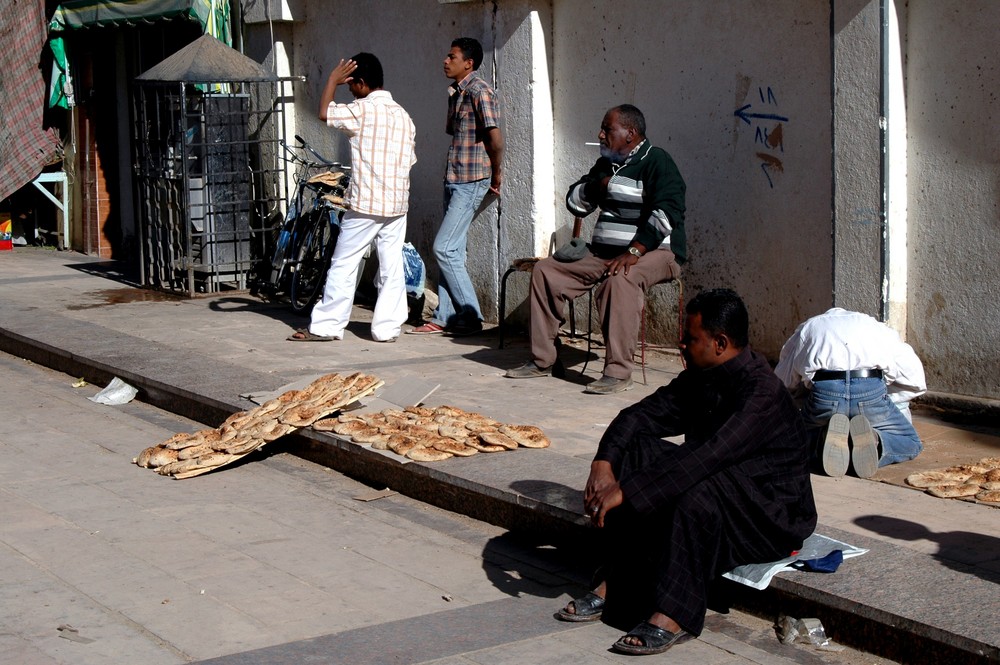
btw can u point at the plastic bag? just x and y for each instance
(413, 270)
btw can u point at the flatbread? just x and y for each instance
(989, 496)
(453, 432)
(926, 479)
(275, 431)
(402, 444)
(992, 476)
(953, 491)
(991, 485)
(237, 419)
(343, 428)
(498, 439)
(194, 451)
(369, 435)
(483, 447)
(449, 445)
(451, 411)
(420, 411)
(969, 468)
(143, 458)
(160, 457)
(528, 436)
(178, 442)
(422, 454)
(243, 446)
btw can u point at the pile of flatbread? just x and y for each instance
(186, 455)
(980, 480)
(432, 434)
(328, 178)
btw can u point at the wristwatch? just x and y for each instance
(634, 251)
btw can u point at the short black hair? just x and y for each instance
(722, 311)
(471, 50)
(631, 117)
(369, 70)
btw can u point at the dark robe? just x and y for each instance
(737, 490)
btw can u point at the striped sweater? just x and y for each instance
(644, 203)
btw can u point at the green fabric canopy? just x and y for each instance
(213, 15)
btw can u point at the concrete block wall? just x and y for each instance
(771, 109)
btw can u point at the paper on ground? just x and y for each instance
(117, 392)
(816, 546)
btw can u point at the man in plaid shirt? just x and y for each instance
(473, 170)
(737, 491)
(382, 152)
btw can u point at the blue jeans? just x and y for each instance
(457, 300)
(899, 441)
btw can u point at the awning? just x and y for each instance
(212, 14)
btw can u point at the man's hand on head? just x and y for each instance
(341, 74)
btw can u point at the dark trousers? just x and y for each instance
(666, 561)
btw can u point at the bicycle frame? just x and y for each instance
(307, 198)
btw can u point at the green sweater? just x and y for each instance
(644, 203)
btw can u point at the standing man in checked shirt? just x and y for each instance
(382, 153)
(674, 517)
(474, 168)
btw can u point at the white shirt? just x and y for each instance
(840, 340)
(382, 152)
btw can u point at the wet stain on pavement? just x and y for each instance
(124, 296)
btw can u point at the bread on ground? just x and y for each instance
(422, 454)
(528, 436)
(953, 491)
(989, 496)
(926, 479)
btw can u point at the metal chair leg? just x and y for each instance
(501, 327)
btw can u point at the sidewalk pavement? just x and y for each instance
(925, 591)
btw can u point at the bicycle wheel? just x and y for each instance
(313, 260)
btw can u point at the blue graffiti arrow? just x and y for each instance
(743, 115)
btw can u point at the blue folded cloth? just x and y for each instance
(827, 564)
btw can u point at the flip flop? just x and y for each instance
(303, 335)
(587, 608)
(654, 640)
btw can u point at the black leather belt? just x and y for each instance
(831, 375)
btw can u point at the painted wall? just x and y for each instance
(775, 127)
(411, 39)
(953, 79)
(857, 157)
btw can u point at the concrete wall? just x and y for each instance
(785, 202)
(857, 155)
(759, 191)
(411, 39)
(953, 79)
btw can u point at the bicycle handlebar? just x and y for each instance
(298, 159)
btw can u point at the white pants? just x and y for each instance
(357, 230)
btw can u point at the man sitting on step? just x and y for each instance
(638, 241)
(860, 377)
(671, 518)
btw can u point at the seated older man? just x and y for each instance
(638, 241)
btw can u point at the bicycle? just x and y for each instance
(305, 241)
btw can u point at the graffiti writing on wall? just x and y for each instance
(768, 132)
